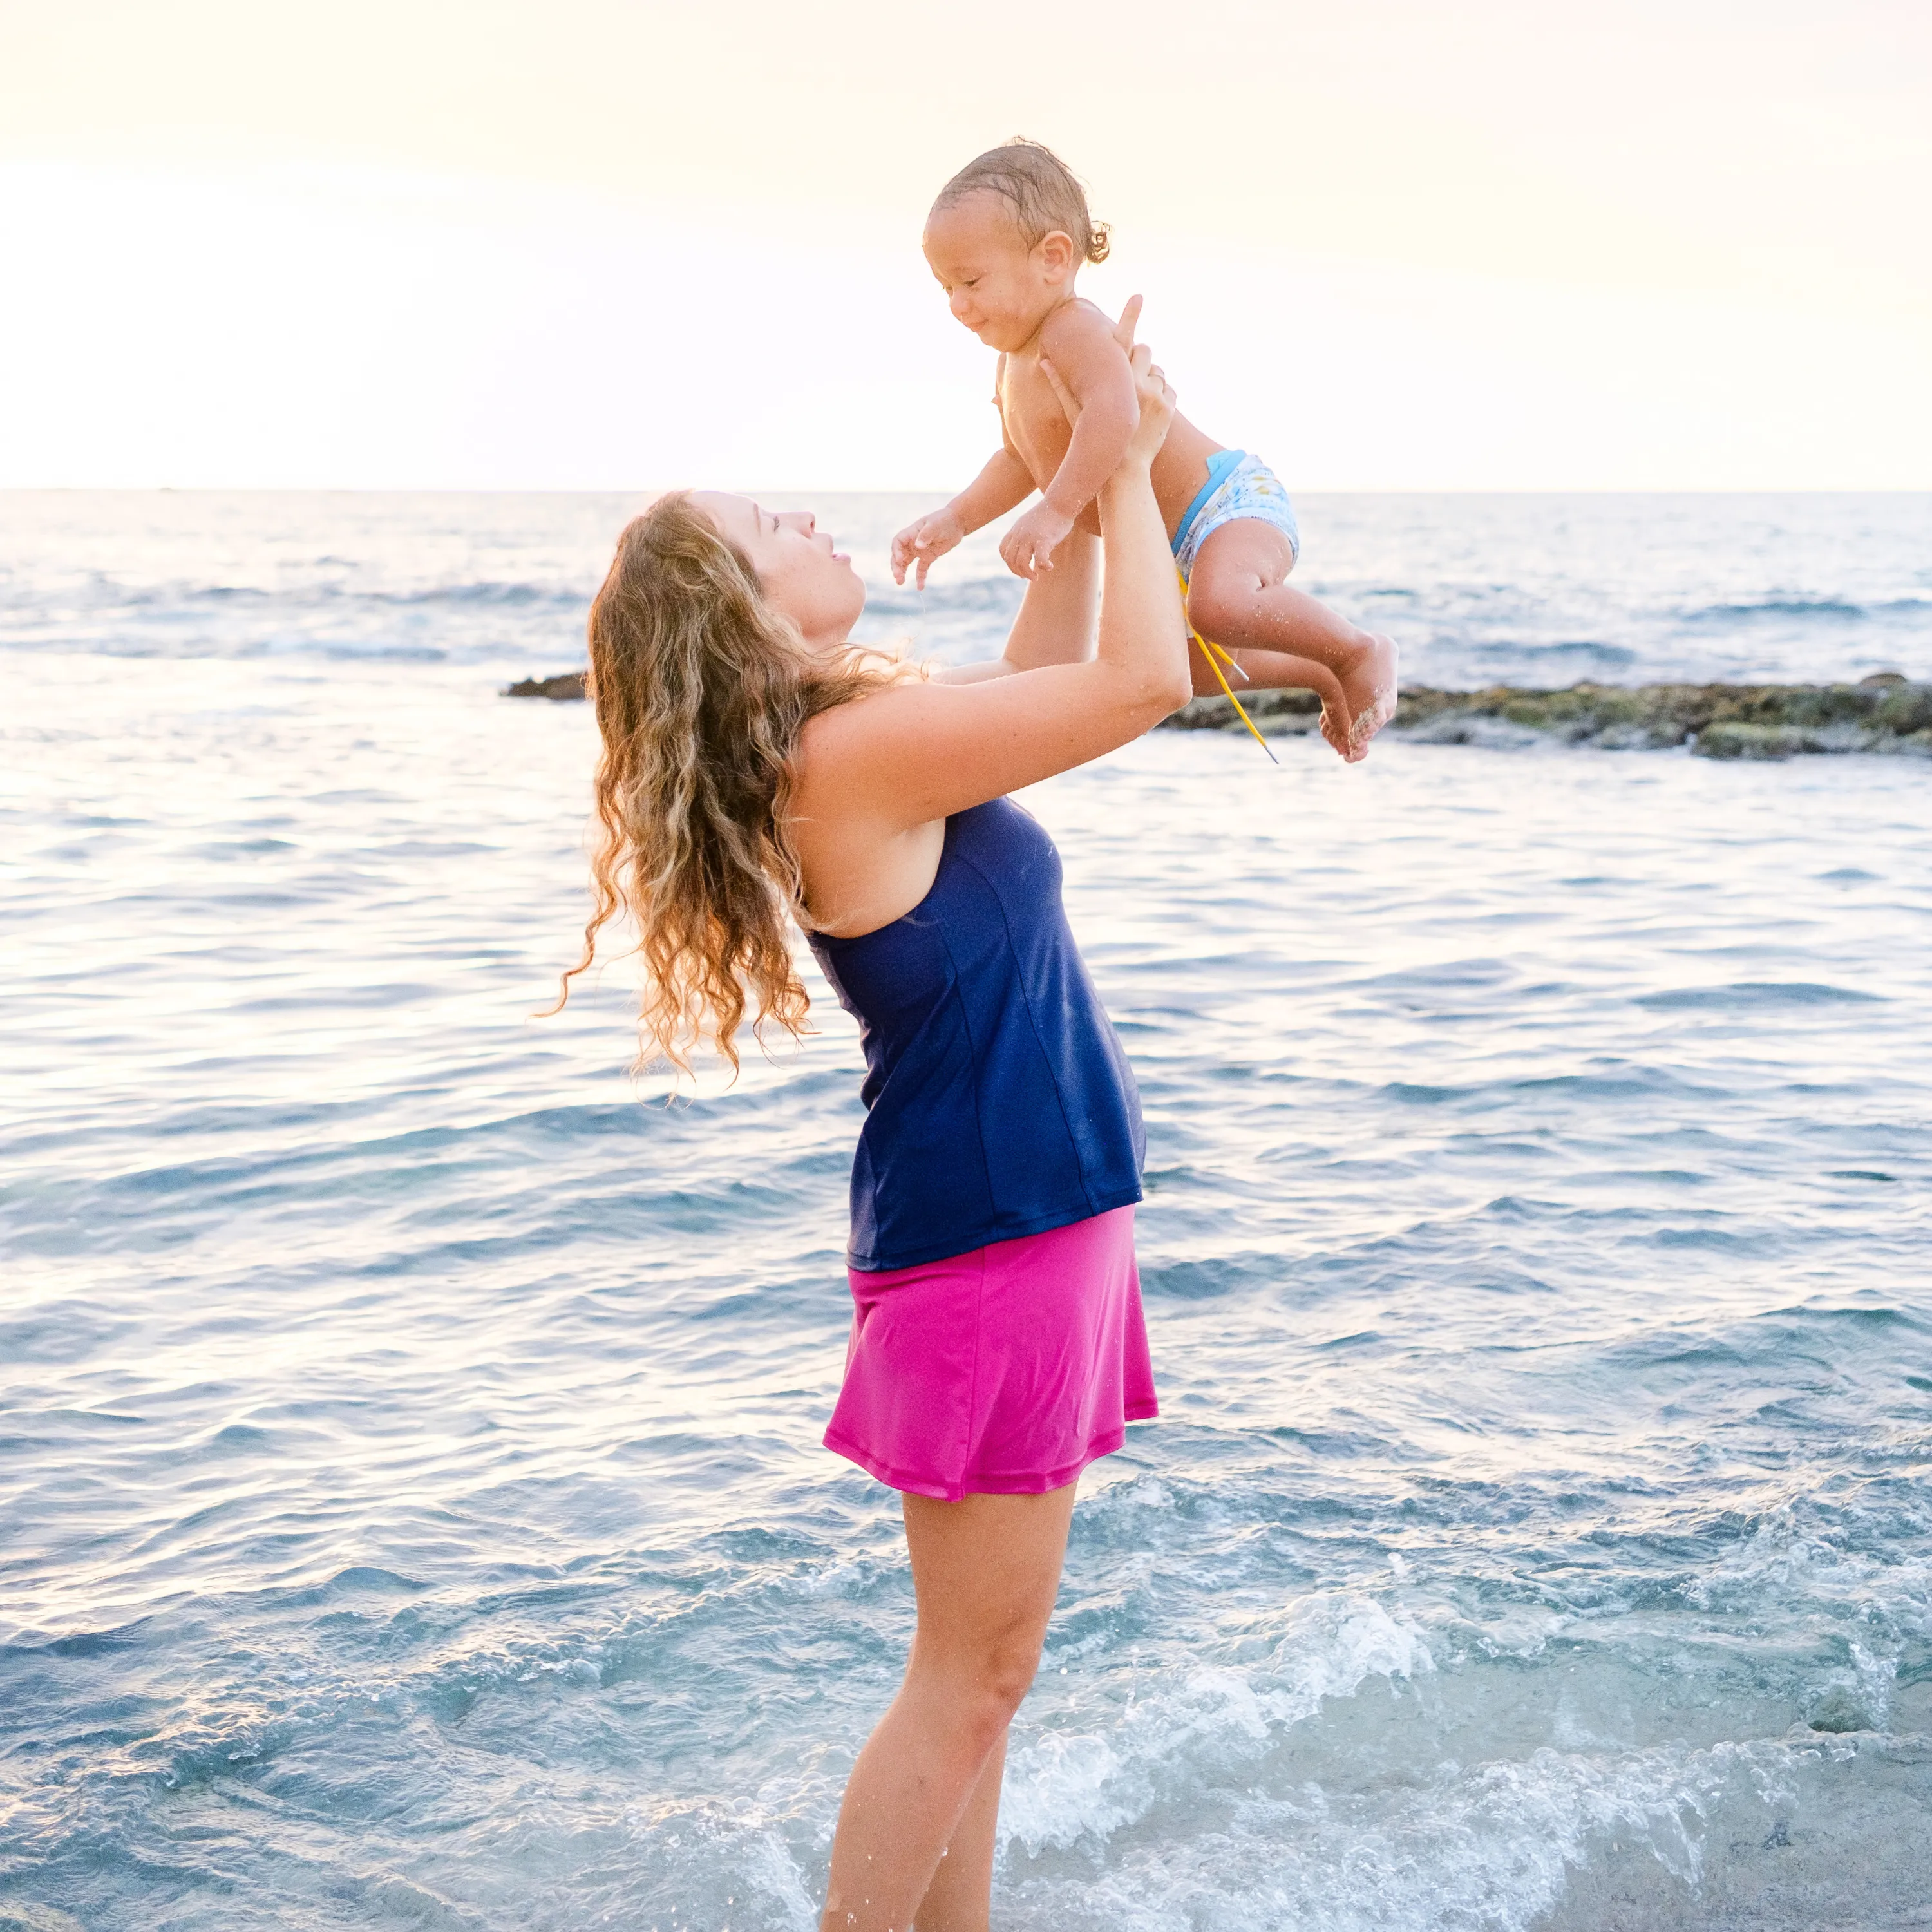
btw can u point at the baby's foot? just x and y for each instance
(1369, 687)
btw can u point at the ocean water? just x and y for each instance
(412, 1512)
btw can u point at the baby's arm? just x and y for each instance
(1004, 481)
(1083, 351)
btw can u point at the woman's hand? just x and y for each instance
(1157, 399)
(1156, 402)
(1124, 334)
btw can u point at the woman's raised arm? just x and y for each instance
(910, 754)
(1055, 624)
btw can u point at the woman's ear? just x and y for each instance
(1056, 255)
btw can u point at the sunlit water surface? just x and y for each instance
(411, 1507)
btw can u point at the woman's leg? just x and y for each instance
(1239, 595)
(961, 1895)
(986, 1570)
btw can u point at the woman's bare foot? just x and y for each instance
(1334, 727)
(1370, 688)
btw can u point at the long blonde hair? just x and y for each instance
(701, 689)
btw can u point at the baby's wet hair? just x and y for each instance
(1040, 190)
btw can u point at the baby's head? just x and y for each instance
(1006, 237)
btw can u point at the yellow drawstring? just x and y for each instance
(1211, 652)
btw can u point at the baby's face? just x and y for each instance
(1001, 289)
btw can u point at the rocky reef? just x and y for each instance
(1885, 712)
(566, 684)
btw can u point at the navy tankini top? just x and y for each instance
(999, 1100)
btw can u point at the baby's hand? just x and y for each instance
(1028, 547)
(922, 542)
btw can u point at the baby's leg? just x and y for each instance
(1276, 671)
(1240, 596)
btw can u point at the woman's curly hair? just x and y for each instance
(1042, 193)
(701, 689)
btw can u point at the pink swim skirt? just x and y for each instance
(1003, 1372)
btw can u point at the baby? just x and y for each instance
(1006, 239)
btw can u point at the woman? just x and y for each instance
(755, 763)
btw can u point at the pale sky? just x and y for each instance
(578, 244)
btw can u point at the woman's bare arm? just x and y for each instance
(1083, 348)
(912, 753)
(1055, 624)
(1086, 352)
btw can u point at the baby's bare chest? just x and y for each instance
(1036, 424)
